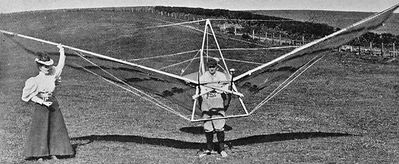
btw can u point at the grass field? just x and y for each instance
(343, 110)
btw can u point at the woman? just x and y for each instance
(48, 136)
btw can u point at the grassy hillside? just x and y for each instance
(338, 19)
(343, 110)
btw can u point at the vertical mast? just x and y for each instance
(220, 51)
(202, 64)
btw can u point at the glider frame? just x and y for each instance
(357, 29)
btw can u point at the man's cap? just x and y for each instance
(212, 62)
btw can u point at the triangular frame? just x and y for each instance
(201, 70)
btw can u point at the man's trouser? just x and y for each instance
(216, 126)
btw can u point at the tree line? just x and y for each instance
(289, 26)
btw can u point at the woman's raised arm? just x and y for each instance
(61, 61)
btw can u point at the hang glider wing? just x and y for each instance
(168, 90)
(176, 90)
(263, 80)
(157, 85)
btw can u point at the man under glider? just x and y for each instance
(213, 105)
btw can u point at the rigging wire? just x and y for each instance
(182, 62)
(202, 20)
(223, 49)
(201, 31)
(195, 57)
(138, 92)
(288, 81)
(243, 61)
(256, 20)
(192, 59)
(174, 24)
(253, 49)
(162, 56)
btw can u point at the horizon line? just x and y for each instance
(53, 9)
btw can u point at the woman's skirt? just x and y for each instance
(48, 134)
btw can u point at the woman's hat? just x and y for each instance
(47, 62)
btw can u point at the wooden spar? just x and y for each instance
(217, 44)
(197, 91)
(202, 65)
(220, 89)
(28, 37)
(226, 117)
(198, 95)
(103, 57)
(306, 46)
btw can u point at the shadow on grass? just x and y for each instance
(200, 129)
(195, 145)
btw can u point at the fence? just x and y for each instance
(383, 50)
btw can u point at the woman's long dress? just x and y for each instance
(48, 134)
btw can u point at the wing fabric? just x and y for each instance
(261, 81)
(177, 92)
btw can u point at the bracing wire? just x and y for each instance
(223, 49)
(288, 81)
(210, 49)
(137, 92)
(199, 30)
(202, 20)
(254, 49)
(182, 62)
(243, 61)
(255, 20)
(188, 65)
(195, 57)
(174, 24)
(162, 56)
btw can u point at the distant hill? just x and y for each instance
(338, 19)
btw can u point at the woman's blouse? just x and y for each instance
(41, 84)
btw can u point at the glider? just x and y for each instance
(181, 88)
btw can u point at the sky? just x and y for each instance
(7, 6)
